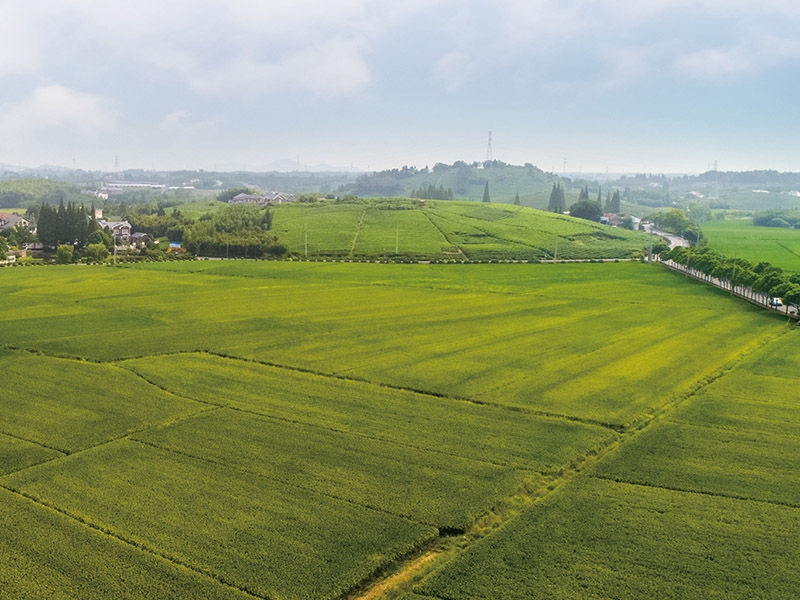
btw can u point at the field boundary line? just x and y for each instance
(132, 543)
(214, 407)
(704, 381)
(358, 230)
(789, 250)
(296, 486)
(519, 409)
(35, 442)
(444, 235)
(698, 492)
(728, 428)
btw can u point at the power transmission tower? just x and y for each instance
(489, 156)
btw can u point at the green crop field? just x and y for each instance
(281, 430)
(598, 539)
(702, 503)
(775, 245)
(441, 230)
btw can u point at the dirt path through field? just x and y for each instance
(406, 574)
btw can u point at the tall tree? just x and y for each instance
(615, 208)
(516, 199)
(557, 202)
(486, 193)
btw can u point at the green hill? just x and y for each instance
(428, 229)
(23, 193)
(467, 182)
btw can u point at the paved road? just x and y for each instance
(674, 240)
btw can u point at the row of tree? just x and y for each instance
(433, 192)
(751, 279)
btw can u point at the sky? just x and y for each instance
(661, 86)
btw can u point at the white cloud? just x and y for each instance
(183, 122)
(20, 51)
(744, 58)
(333, 68)
(56, 108)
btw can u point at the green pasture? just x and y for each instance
(740, 238)
(290, 430)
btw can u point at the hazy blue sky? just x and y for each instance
(623, 85)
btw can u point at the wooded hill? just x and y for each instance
(466, 181)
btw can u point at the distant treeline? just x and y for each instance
(778, 218)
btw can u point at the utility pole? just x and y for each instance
(650, 252)
(306, 240)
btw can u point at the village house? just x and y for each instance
(120, 230)
(266, 198)
(9, 221)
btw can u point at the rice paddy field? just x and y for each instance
(739, 237)
(241, 429)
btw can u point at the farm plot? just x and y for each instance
(738, 464)
(737, 438)
(425, 486)
(18, 454)
(259, 535)
(599, 539)
(601, 343)
(514, 232)
(49, 555)
(330, 230)
(775, 245)
(68, 405)
(454, 428)
(408, 231)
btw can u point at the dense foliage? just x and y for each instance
(778, 218)
(675, 221)
(235, 230)
(587, 209)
